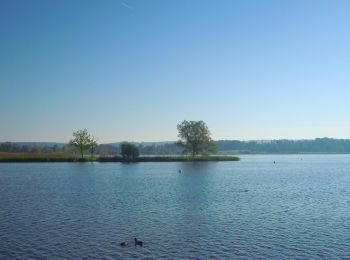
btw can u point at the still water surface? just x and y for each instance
(298, 207)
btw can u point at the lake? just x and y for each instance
(298, 207)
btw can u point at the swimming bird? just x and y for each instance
(124, 243)
(138, 242)
(180, 171)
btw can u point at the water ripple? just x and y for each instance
(243, 210)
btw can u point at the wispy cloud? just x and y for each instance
(126, 5)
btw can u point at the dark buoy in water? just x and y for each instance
(274, 162)
(180, 171)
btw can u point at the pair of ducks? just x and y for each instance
(137, 243)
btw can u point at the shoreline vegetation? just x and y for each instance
(209, 158)
(225, 147)
(66, 157)
(195, 142)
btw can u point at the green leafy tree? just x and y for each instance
(80, 141)
(92, 145)
(129, 151)
(195, 138)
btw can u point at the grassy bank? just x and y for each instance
(67, 157)
(38, 157)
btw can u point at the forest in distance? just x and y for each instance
(318, 145)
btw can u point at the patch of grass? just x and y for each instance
(38, 157)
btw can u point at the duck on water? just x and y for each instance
(124, 243)
(138, 242)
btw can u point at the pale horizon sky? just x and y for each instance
(132, 70)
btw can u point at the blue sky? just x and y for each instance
(132, 70)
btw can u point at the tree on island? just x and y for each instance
(129, 151)
(81, 141)
(195, 138)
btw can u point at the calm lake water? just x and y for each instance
(298, 207)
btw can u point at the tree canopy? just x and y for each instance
(82, 140)
(195, 138)
(129, 151)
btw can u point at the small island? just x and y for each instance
(170, 159)
(194, 140)
(57, 157)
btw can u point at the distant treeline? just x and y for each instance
(319, 145)
(10, 147)
(102, 149)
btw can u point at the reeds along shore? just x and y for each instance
(66, 157)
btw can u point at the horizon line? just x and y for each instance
(174, 141)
